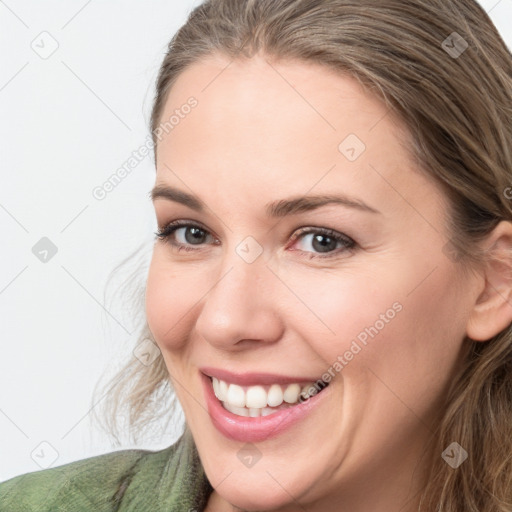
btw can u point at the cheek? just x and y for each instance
(387, 323)
(409, 352)
(343, 313)
(170, 298)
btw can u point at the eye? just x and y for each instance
(324, 241)
(192, 234)
(183, 235)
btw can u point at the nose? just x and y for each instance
(241, 308)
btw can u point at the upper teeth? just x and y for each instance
(258, 396)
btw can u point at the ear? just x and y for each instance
(492, 311)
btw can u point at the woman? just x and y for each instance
(330, 283)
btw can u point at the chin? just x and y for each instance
(257, 495)
(268, 485)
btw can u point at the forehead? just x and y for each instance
(293, 101)
(289, 125)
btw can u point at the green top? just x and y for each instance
(167, 480)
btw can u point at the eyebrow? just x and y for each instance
(279, 208)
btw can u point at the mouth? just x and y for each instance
(263, 400)
(254, 407)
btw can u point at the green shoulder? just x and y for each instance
(170, 480)
(95, 483)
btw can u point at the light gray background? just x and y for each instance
(68, 121)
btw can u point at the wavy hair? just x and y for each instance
(442, 67)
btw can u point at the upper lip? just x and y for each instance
(254, 378)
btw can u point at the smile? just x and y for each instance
(255, 401)
(255, 407)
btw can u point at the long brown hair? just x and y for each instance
(442, 67)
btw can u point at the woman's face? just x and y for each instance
(262, 297)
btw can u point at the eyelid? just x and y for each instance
(324, 231)
(169, 229)
(165, 232)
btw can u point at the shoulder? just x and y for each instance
(115, 481)
(87, 484)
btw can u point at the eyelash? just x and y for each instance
(167, 231)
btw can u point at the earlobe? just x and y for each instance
(492, 310)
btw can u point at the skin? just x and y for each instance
(264, 131)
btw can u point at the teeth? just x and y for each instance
(275, 395)
(304, 392)
(240, 411)
(291, 395)
(236, 395)
(223, 390)
(255, 401)
(215, 383)
(256, 397)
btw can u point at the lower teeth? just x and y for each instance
(255, 412)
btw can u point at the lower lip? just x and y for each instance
(246, 429)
